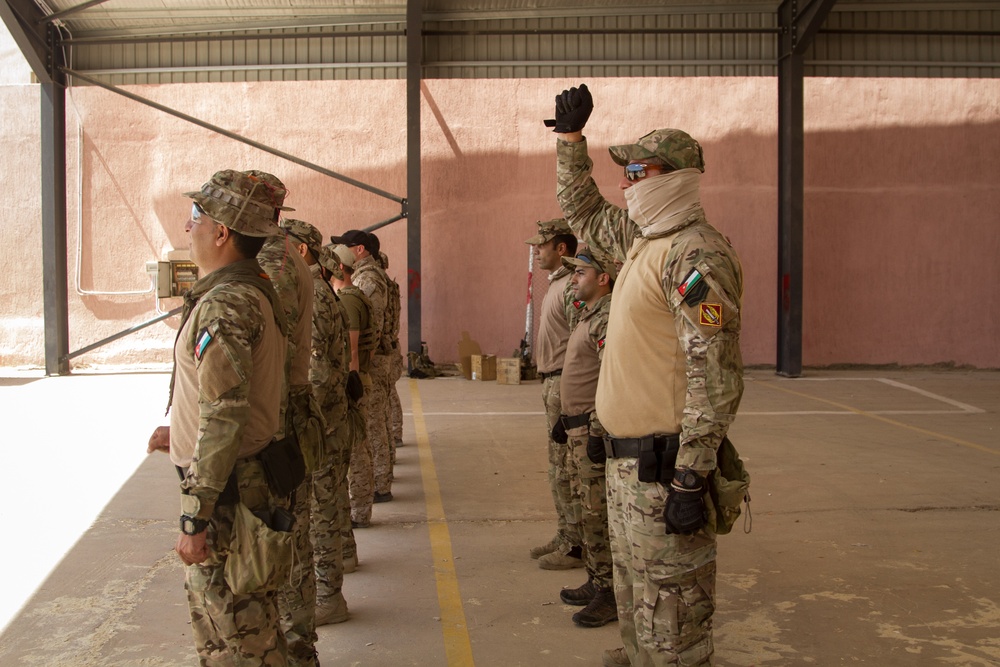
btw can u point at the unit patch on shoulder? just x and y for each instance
(710, 314)
(204, 338)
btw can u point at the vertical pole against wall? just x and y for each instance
(55, 309)
(799, 23)
(414, 65)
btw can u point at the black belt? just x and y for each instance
(576, 421)
(623, 448)
(548, 375)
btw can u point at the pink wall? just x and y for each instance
(901, 222)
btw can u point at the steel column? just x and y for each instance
(414, 63)
(55, 309)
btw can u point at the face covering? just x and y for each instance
(659, 203)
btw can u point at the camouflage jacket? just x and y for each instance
(371, 279)
(701, 285)
(393, 312)
(328, 364)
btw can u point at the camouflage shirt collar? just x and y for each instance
(590, 309)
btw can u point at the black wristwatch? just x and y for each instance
(192, 526)
(688, 480)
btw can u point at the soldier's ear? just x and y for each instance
(603, 279)
(221, 235)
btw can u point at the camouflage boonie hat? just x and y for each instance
(592, 258)
(245, 203)
(675, 147)
(548, 230)
(330, 262)
(303, 232)
(344, 255)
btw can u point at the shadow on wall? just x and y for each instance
(901, 235)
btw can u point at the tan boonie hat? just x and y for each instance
(246, 204)
(330, 262)
(675, 147)
(548, 230)
(344, 254)
(594, 259)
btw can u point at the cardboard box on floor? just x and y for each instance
(484, 367)
(466, 348)
(509, 370)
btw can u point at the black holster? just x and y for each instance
(595, 449)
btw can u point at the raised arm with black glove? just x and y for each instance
(573, 108)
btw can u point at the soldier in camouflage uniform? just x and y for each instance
(396, 357)
(292, 281)
(225, 398)
(328, 373)
(372, 280)
(556, 318)
(593, 278)
(670, 383)
(358, 308)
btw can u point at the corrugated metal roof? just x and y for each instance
(162, 41)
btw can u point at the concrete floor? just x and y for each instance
(876, 524)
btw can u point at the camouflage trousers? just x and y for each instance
(330, 512)
(396, 408)
(591, 504)
(664, 584)
(231, 629)
(361, 477)
(297, 598)
(378, 423)
(560, 478)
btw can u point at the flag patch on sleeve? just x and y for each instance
(692, 279)
(204, 338)
(710, 314)
(600, 344)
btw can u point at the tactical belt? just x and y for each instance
(548, 375)
(575, 421)
(623, 448)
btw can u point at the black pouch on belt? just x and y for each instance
(284, 467)
(657, 457)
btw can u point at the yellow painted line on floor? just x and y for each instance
(457, 646)
(934, 434)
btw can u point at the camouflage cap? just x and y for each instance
(330, 262)
(548, 230)
(344, 254)
(245, 203)
(592, 258)
(304, 233)
(675, 147)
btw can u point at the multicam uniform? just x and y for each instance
(221, 416)
(371, 279)
(328, 369)
(396, 358)
(293, 282)
(672, 365)
(558, 314)
(358, 308)
(579, 385)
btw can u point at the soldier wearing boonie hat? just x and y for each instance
(293, 281)
(328, 372)
(228, 372)
(552, 241)
(671, 378)
(594, 273)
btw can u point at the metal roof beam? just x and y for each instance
(22, 19)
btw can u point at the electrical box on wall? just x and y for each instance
(175, 275)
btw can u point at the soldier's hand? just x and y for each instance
(558, 433)
(573, 108)
(159, 441)
(193, 548)
(685, 509)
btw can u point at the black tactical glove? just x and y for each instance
(355, 388)
(573, 108)
(595, 449)
(685, 509)
(559, 433)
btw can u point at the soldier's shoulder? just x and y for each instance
(237, 303)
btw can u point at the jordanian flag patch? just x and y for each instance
(692, 279)
(204, 338)
(600, 344)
